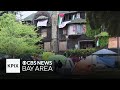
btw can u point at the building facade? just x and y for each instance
(71, 30)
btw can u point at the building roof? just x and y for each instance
(67, 12)
(41, 17)
(29, 18)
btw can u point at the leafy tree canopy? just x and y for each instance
(111, 20)
(15, 38)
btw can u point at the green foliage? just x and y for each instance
(91, 33)
(15, 38)
(103, 41)
(80, 52)
(57, 58)
(111, 20)
(102, 34)
(46, 55)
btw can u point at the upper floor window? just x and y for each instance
(72, 16)
(76, 29)
(66, 17)
(82, 15)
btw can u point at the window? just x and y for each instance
(66, 17)
(82, 15)
(78, 15)
(76, 29)
(70, 16)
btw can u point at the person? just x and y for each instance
(60, 64)
(84, 57)
(76, 46)
(55, 66)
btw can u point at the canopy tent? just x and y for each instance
(104, 52)
(108, 61)
(105, 59)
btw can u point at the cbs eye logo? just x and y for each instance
(12, 65)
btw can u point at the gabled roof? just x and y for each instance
(29, 18)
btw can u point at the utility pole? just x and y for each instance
(55, 42)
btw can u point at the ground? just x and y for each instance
(113, 74)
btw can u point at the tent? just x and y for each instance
(104, 52)
(68, 67)
(106, 57)
(108, 61)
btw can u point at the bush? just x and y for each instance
(46, 55)
(57, 58)
(80, 52)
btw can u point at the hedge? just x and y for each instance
(80, 52)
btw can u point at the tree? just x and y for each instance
(15, 38)
(110, 19)
(12, 12)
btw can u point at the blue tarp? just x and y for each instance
(108, 61)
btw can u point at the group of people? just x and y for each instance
(57, 65)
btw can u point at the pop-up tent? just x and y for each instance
(106, 57)
(104, 52)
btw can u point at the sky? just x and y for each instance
(25, 14)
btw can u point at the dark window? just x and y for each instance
(70, 16)
(67, 17)
(82, 15)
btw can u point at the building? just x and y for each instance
(71, 29)
(29, 19)
(42, 20)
